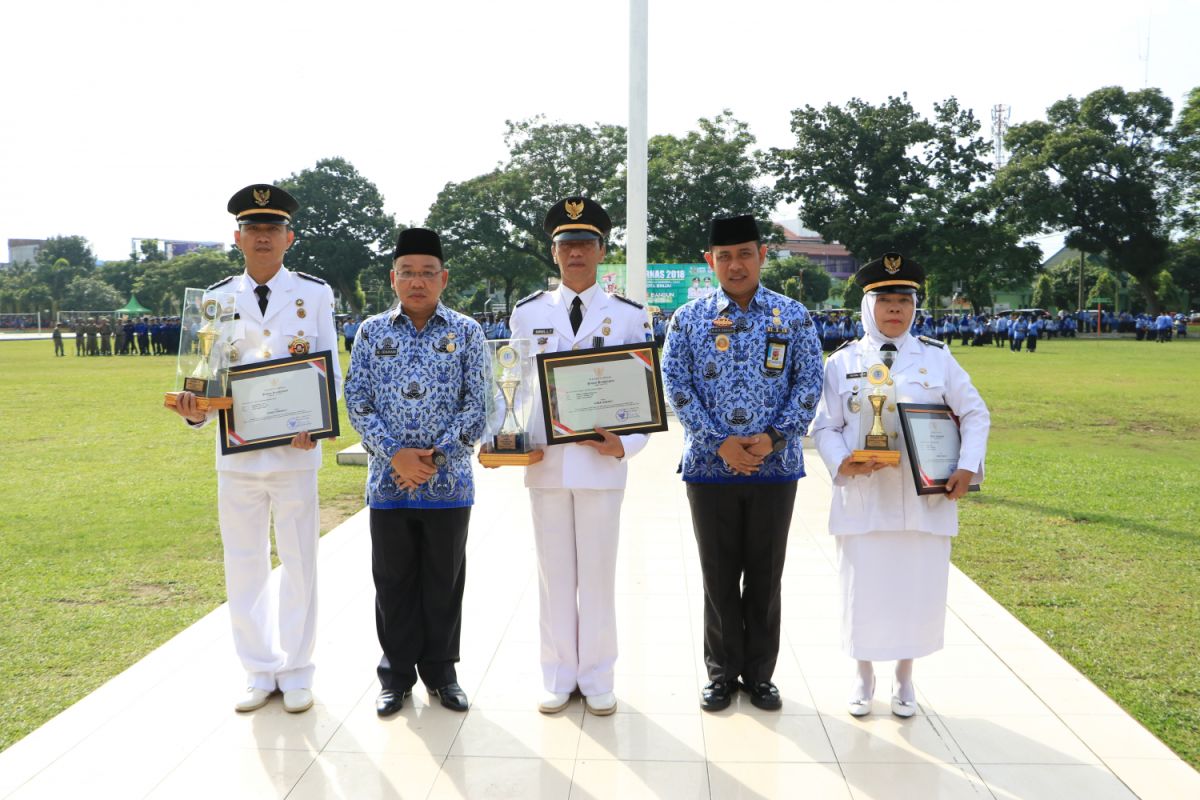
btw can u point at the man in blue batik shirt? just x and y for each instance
(415, 393)
(742, 368)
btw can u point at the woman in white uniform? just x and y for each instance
(893, 544)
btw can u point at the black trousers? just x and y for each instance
(419, 562)
(742, 533)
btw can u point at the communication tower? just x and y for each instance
(1000, 116)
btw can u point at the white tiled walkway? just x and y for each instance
(1002, 715)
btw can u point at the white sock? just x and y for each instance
(864, 681)
(904, 683)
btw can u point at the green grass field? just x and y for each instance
(109, 543)
(1086, 528)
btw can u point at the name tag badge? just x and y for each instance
(776, 355)
(543, 331)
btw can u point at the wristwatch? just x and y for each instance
(439, 459)
(778, 440)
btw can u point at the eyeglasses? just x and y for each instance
(409, 277)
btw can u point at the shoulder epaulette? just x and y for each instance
(527, 298)
(220, 283)
(308, 277)
(625, 299)
(846, 343)
(934, 342)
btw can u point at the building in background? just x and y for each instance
(23, 251)
(834, 257)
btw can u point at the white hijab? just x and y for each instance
(875, 336)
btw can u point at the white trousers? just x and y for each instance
(274, 624)
(576, 533)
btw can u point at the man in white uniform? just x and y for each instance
(280, 313)
(576, 489)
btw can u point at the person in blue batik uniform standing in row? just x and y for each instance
(416, 393)
(742, 368)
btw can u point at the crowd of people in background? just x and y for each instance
(145, 336)
(1015, 330)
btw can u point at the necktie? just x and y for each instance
(889, 353)
(576, 314)
(262, 290)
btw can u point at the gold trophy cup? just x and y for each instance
(875, 443)
(510, 445)
(205, 382)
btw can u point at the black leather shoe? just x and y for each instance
(390, 701)
(452, 695)
(764, 695)
(716, 695)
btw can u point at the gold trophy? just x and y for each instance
(509, 444)
(204, 336)
(876, 441)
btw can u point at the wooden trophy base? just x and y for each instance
(205, 404)
(880, 456)
(490, 458)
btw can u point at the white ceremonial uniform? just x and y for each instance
(576, 494)
(893, 544)
(274, 636)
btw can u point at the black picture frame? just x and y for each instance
(328, 428)
(924, 484)
(646, 352)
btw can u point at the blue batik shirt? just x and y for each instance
(420, 389)
(733, 372)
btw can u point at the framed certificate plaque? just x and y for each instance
(932, 440)
(275, 400)
(616, 388)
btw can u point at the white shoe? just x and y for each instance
(252, 700)
(553, 702)
(902, 708)
(601, 704)
(297, 700)
(861, 706)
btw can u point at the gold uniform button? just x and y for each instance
(266, 333)
(921, 370)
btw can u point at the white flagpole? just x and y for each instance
(635, 228)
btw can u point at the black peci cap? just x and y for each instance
(891, 273)
(577, 218)
(724, 231)
(420, 242)
(262, 202)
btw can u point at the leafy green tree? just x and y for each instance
(1184, 162)
(151, 252)
(1106, 288)
(56, 276)
(798, 277)
(1169, 293)
(491, 225)
(121, 275)
(710, 172)
(161, 288)
(879, 178)
(341, 227)
(75, 250)
(92, 294)
(1099, 169)
(1043, 293)
(1184, 264)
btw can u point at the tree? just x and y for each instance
(880, 178)
(711, 172)
(1184, 160)
(1104, 290)
(87, 293)
(1043, 293)
(341, 227)
(74, 249)
(491, 225)
(1184, 264)
(56, 276)
(1099, 169)
(162, 288)
(799, 278)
